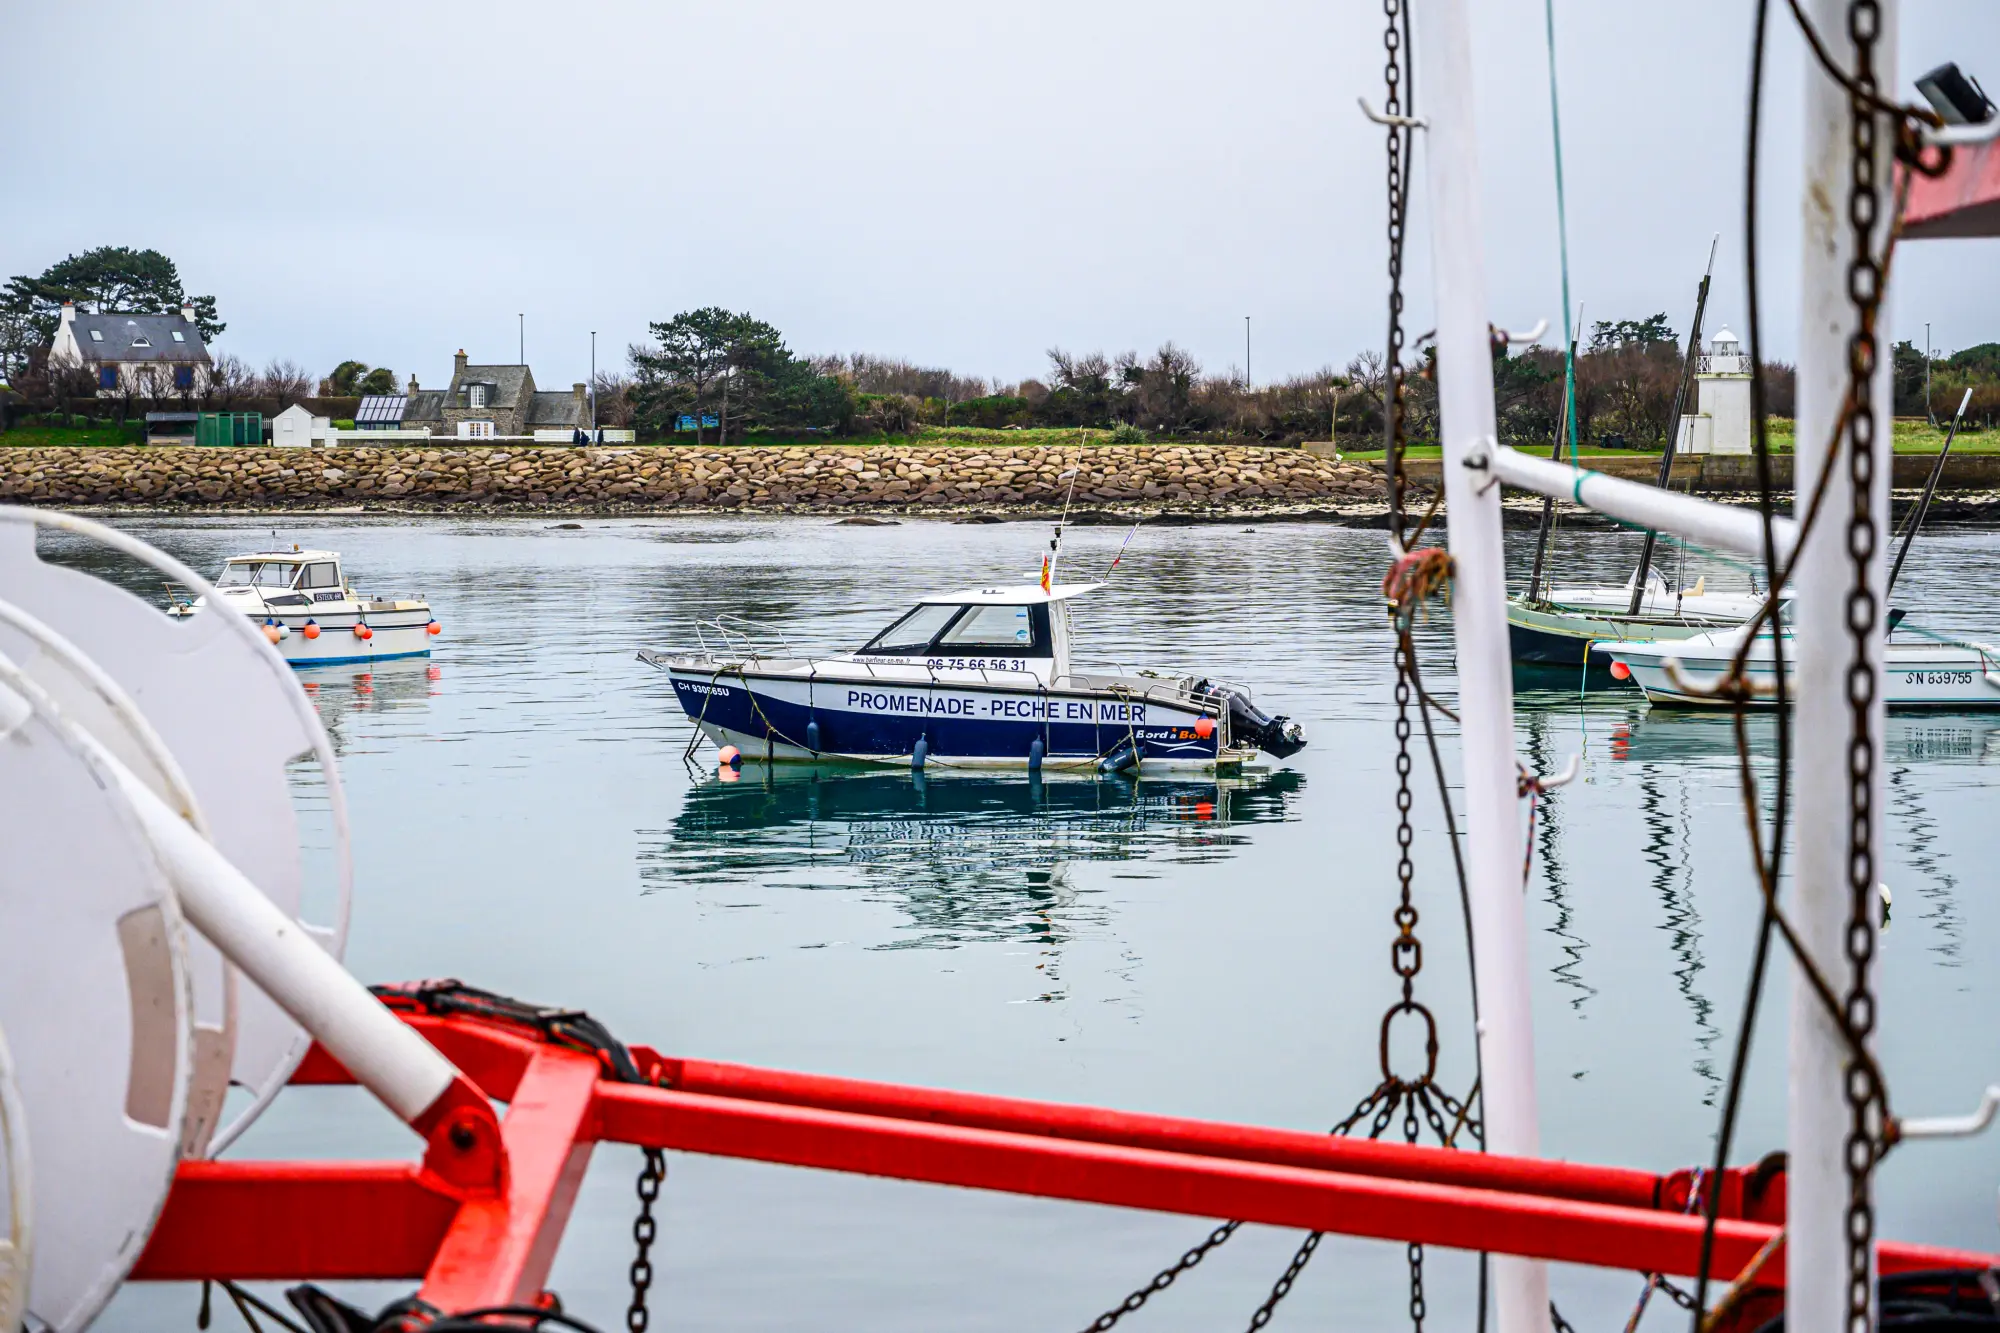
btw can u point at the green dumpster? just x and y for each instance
(221, 428)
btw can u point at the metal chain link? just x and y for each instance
(1162, 1279)
(1283, 1287)
(1401, 141)
(1864, 292)
(651, 1172)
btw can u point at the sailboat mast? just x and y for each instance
(1548, 524)
(1674, 423)
(1930, 488)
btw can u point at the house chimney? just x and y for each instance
(68, 313)
(582, 394)
(458, 364)
(413, 384)
(187, 311)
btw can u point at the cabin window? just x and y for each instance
(1017, 631)
(914, 632)
(321, 574)
(262, 574)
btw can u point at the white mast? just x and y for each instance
(1816, 1248)
(1479, 625)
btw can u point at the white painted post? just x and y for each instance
(1816, 1247)
(1479, 623)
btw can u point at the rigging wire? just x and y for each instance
(1562, 232)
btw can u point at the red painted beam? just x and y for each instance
(1286, 1196)
(297, 1220)
(499, 1249)
(1282, 1147)
(1965, 201)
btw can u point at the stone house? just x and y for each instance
(485, 401)
(149, 356)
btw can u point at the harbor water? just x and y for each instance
(527, 818)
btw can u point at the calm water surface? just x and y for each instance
(524, 819)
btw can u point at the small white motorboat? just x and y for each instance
(313, 615)
(981, 677)
(1918, 673)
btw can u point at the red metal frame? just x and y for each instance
(492, 1241)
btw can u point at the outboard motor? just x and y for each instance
(1279, 736)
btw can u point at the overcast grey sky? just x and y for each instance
(963, 184)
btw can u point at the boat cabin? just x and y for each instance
(284, 578)
(1023, 628)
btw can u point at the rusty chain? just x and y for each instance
(1864, 293)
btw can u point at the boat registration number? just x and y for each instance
(1937, 677)
(689, 687)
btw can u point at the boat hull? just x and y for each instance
(777, 717)
(1914, 677)
(1550, 637)
(393, 634)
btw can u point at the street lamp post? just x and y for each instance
(1928, 414)
(593, 384)
(1247, 381)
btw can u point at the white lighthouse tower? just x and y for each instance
(1720, 422)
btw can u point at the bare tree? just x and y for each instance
(286, 381)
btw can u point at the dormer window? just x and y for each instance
(475, 395)
(179, 337)
(141, 342)
(97, 335)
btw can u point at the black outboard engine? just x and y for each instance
(1279, 736)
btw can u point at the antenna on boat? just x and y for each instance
(1054, 556)
(1121, 550)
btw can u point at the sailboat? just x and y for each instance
(1559, 626)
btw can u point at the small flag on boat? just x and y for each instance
(1045, 573)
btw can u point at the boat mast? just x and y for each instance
(1479, 626)
(1838, 764)
(1548, 524)
(1923, 505)
(1674, 424)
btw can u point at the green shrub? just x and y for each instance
(1127, 433)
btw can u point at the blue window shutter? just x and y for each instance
(107, 378)
(183, 377)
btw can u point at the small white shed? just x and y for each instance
(297, 428)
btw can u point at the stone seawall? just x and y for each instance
(629, 478)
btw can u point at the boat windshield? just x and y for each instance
(258, 573)
(914, 632)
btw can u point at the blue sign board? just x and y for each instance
(687, 422)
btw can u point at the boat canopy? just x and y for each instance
(1026, 594)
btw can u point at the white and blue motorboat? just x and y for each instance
(312, 614)
(978, 678)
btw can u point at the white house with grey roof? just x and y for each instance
(148, 356)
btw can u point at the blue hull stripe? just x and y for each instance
(845, 732)
(349, 661)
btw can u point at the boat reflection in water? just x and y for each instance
(1907, 738)
(968, 856)
(379, 687)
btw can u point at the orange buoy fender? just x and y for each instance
(434, 628)
(1204, 727)
(310, 629)
(363, 633)
(1620, 671)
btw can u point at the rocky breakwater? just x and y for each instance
(643, 478)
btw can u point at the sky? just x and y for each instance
(964, 184)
